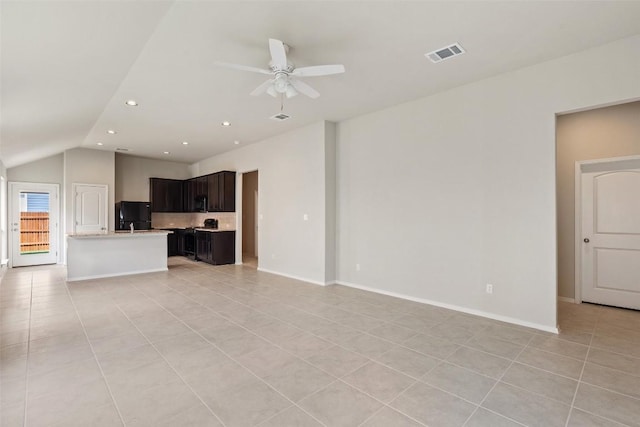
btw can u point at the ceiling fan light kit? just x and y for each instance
(285, 77)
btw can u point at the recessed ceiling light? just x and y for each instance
(111, 132)
(166, 152)
(236, 142)
(225, 123)
(185, 143)
(131, 103)
(99, 143)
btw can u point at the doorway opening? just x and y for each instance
(33, 224)
(250, 219)
(584, 141)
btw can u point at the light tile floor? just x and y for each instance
(230, 346)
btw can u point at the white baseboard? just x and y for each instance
(480, 313)
(566, 299)
(102, 276)
(290, 276)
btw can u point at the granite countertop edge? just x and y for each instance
(119, 234)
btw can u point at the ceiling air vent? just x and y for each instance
(122, 149)
(280, 117)
(445, 53)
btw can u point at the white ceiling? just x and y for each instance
(68, 67)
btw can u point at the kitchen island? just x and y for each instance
(92, 256)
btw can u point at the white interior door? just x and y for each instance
(611, 237)
(33, 223)
(90, 208)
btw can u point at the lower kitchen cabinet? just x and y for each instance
(216, 247)
(203, 246)
(175, 243)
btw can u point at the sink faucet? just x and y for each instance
(131, 226)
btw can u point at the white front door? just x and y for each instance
(90, 209)
(611, 237)
(33, 223)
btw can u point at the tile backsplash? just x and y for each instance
(226, 220)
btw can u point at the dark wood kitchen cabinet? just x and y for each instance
(203, 247)
(172, 244)
(194, 189)
(175, 242)
(165, 195)
(217, 247)
(213, 193)
(222, 191)
(189, 194)
(223, 246)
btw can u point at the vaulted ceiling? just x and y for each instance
(68, 66)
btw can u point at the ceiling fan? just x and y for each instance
(285, 80)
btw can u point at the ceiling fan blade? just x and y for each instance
(278, 54)
(318, 70)
(304, 88)
(244, 68)
(262, 88)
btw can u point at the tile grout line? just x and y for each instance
(95, 357)
(26, 373)
(364, 332)
(278, 346)
(338, 345)
(534, 334)
(479, 405)
(528, 345)
(584, 364)
(223, 352)
(167, 361)
(302, 310)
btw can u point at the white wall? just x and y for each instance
(440, 196)
(49, 170)
(292, 183)
(86, 166)
(133, 173)
(595, 134)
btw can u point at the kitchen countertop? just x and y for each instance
(119, 234)
(210, 230)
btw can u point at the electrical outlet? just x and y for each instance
(305, 217)
(357, 267)
(489, 288)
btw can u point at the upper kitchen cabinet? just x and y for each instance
(222, 191)
(165, 195)
(195, 194)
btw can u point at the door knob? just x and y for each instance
(586, 240)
